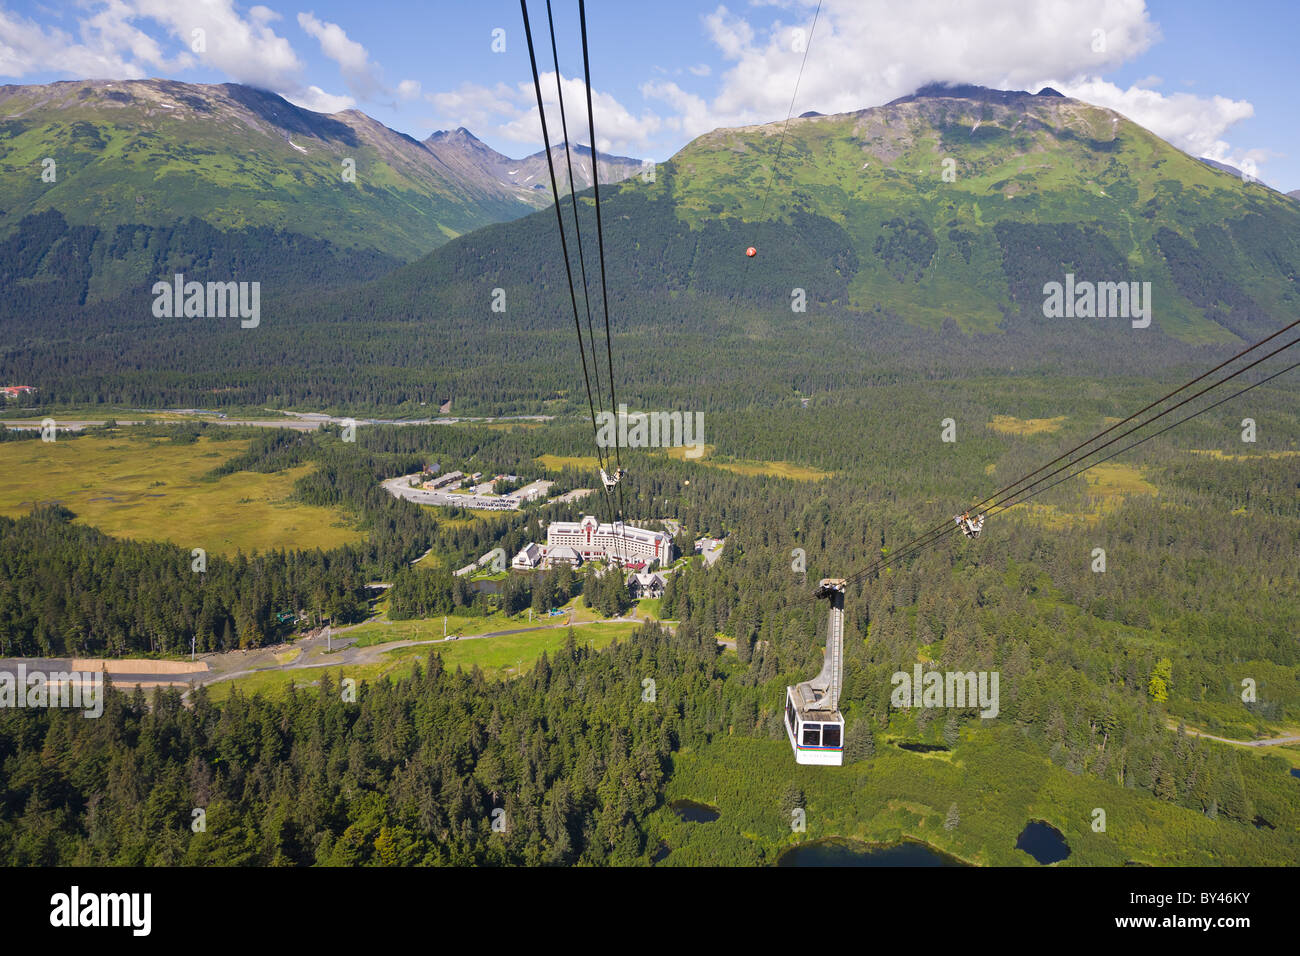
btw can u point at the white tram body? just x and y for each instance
(817, 736)
(812, 717)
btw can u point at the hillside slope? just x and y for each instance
(120, 155)
(894, 260)
(1035, 186)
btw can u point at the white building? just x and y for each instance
(563, 554)
(618, 542)
(529, 558)
(646, 584)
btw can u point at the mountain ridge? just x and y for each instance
(153, 151)
(913, 239)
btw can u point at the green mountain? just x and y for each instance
(1036, 185)
(121, 155)
(901, 227)
(953, 204)
(894, 259)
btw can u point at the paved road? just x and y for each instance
(308, 654)
(81, 424)
(400, 487)
(312, 654)
(1267, 742)
(712, 554)
(300, 421)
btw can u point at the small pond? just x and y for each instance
(693, 812)
(838, 851)
(1043, 842)
(924, 748)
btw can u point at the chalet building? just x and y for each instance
(528, 558)
(646, 584)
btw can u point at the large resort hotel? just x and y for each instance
(574, 542)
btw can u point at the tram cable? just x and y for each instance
(1106, 431)
(600, 250)
(600, 247)
(1221, 401)
(564, 246)
(573, 199)
(1172, 408)
(780, 146)
(1001, 502)
(616, 513)
(1141, 411)
(752, 251)
(601, 458)
(600, 228)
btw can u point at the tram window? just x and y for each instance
(812, 735)
(830, 735)
(789, 715)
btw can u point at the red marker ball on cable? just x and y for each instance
(751, 252)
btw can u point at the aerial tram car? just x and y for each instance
(813, 721)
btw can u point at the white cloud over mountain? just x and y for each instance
(864, 53)
(868, 52)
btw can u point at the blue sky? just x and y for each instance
(1214, 79)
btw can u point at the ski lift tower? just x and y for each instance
(812, 716)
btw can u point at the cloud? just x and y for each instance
(317, 100)
(511, 113)
(693, 113)
(111, 44)
(1195, 124)
(477, 107)
(408, 89)
(868, 52)
(248, 50)
(109, 47)
(361, 75)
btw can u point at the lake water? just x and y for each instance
(838, 851)
(1043, 842)
(693, 812)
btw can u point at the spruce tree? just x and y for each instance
(950, 822)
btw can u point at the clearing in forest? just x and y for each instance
(153, 489)
(744, 466)
(1010, 425)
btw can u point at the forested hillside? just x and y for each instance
(823, 433)
(1199, 593)
(902, 274)
(155, 152)
(228, 182)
